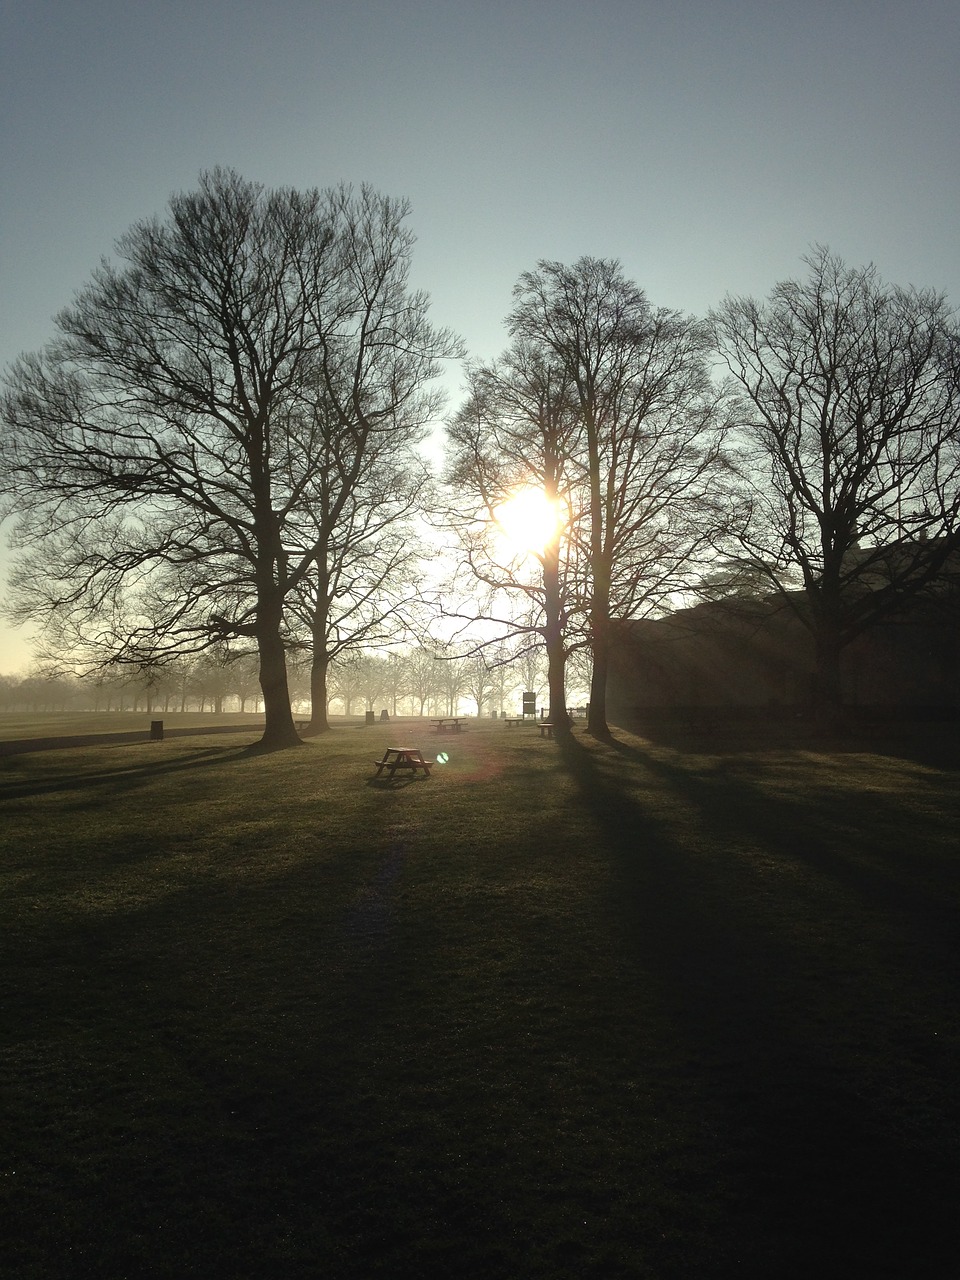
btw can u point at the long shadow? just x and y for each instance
(122, 776)
(256, 1040)
(277, 1156)
(134, 737)
(393, 784)
(822, 1179)
(936, 743)
(849, 847)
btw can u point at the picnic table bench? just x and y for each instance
(440, 723)
(411, 758)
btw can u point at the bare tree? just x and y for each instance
(529, 664)
(478, 681)
(849, 424)
(357, 519)
(161, 432)
(422, 676)
(371, 678)
(345, 681)
(516, 432)
(503, 678)
(451, 679)
(396, 679)
(649, 451)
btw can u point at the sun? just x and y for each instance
(528, 520)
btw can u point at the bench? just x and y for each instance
(441, 722)
(395, 758)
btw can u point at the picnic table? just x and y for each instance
(411, 758)
(546, 728)
(441, 722)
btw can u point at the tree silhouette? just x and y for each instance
(849, 421)
(159, 449)
(648, 446)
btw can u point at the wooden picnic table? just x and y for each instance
(546, 728)
(411, 758)
(441, 722)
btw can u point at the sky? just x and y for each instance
(706, 144)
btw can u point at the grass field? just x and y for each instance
(22, 726)
(558, 1011)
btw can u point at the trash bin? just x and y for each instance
(385, 714)
(156, 730)
(370, 717)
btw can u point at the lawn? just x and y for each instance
(22, 726)
(578, 1010)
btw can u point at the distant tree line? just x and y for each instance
(217, 461)
(406, 682)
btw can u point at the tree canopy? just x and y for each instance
(219, 451)
(848, 408)
(161, 449)
(646, 457)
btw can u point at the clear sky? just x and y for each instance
(707, 144)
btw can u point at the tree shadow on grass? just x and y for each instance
(832, 1103)
(326, 1066)
(394, 784)
(840, 818)
(935, 743)
(121, 776)
(223, 1072)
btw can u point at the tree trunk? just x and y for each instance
(600, 587)
(553, 638)
(279, 730)
(318, 688)
(600, 648)
(827, 685)
(597, 715)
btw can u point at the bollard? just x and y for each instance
(156, 730)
